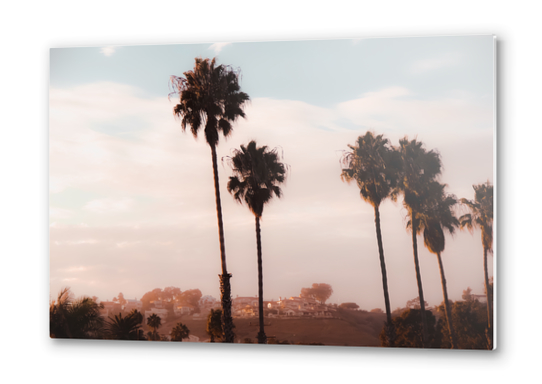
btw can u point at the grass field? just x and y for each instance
(350, 328)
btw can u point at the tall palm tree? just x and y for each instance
(419, 168)
(257, 175)
(436, 216)
(75, 318)
(179, 332)
(210, 97)
(372, 164)
(127, 327)
(481, 216)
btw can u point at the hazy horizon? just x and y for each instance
(132, 199)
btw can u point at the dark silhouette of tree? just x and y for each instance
(481, 216)
(75, 318)
(127, 327)
(154, 321)
(436, 216)
(349, 306)
(257, 175)
(320, 292)
(214, 325)
(413, 304)
(179, 332)
(470, 322)
(419, 168)
(210, 97)
(373, 165)
(409, 332)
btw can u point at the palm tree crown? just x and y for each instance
(481, 213)
(210, 96)
(257, 175)
(372, 163)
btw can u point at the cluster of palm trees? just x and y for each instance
(210, 99)
(81, 319)
(382, 171)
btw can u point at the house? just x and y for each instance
(242, 302)
(480, 298)
(133, 304)
(183, 310)
(160, 312)
(110, 308)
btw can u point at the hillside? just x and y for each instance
(350, 328)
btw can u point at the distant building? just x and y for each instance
(480, 298)
(133, 304)
(161, 312)
(110, 309)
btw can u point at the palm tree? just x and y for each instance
(419, 168)
(481, 216)
(154, 321)
(77, 319)
(210, 97)
(179, 332)
(372, 164)
(257, 175)
(436, 216)
(127, 327)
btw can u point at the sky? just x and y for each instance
(132, 198)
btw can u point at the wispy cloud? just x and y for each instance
(163, 178)
(217, 47)
(433, 63)
(108, 51)
(109, 205)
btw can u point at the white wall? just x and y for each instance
(29, 29)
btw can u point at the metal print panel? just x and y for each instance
(335, 192)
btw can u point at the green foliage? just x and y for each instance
(320, 292)
(179, 332)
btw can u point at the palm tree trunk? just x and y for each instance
(447, 308)
(390, 331)
(489, 299)
(262, 338)
(225, 287)
(419, 278)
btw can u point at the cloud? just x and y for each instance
(217, 47)
(109, 205)
(434, 63)
(152, 207)
(108, 51)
